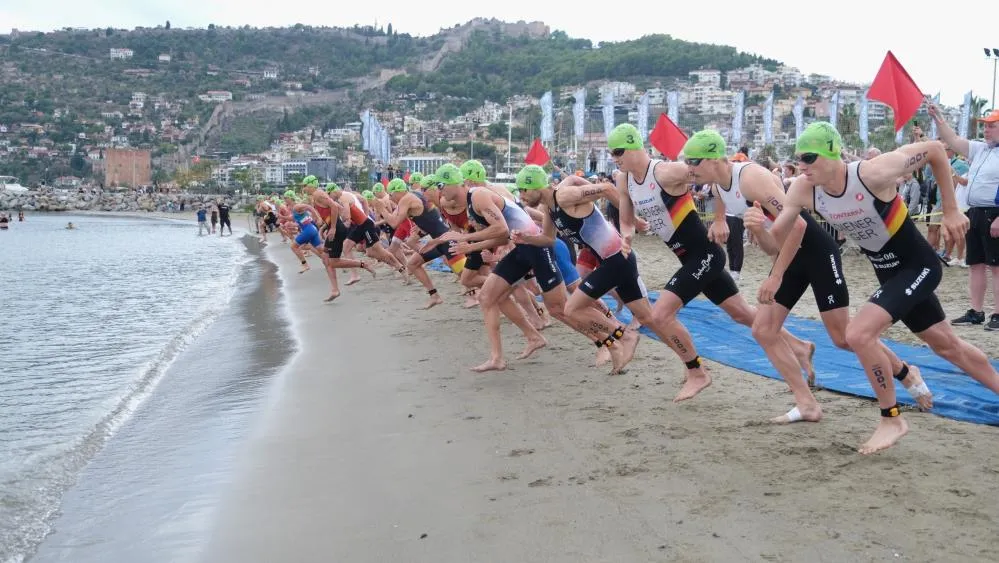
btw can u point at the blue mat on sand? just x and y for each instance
(718, 338)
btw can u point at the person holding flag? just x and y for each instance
(660, 192)
(861, 200)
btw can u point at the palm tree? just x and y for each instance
(977, 111)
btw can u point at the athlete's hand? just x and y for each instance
(718, 232)
(460, 247)
(768, 289)
(754, 218)
(448, 236)
(955, 224)
(488, 257)
(993, 228)
(641, 225)
(626, 245)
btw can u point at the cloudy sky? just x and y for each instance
(941, 48)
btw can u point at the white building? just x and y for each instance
(300, 167)
(271, 74)
(707, 76)
(424, 164)
(274, 174)
(164, 58)
(219, 95)
(620, 90)
(121, 53)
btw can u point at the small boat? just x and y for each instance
(10, 184)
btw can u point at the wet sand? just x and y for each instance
(380, 445)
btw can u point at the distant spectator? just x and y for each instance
(203, 222)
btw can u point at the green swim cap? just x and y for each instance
(429, 181)
(625, 136)
(473, 170)
(415, 178)
(512, 188)
(397, 185)
(368, 194)
(290, 193)
(820, 138)
(705, 144)
(310, 180)
(449, 175)
(532, 177)
(378, 189)
(261, 197)
(332, 187)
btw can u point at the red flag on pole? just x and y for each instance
(537, 155)
(667, 138)
(406, 177)
(895, 88)
(385, 181)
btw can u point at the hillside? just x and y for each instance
(67, 82)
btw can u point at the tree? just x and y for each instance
(167, 24)
(390, 30)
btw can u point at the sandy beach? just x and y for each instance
(380, 445)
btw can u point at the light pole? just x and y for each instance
(471, 144)
(994, 55)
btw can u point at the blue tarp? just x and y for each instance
(720, 339)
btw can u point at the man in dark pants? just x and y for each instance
(224, 220)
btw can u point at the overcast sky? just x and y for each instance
(847, 39)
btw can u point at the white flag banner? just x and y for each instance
(643, 116)
(834, 109)
(579, 112)
(962, 126)
(673, 110)
(768, 120)
(862, 119)
(608, 112)
(387, 147)
(799, 116)
(933, 124)
(739, 100)
(366, 129)
(547, 121)
(900, 137)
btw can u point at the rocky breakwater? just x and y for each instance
(56, 200)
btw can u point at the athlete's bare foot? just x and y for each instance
(812, 413)
(805, 360)
(603, 356)
(435, 300)
(532, 347)
(490, 365)
(332, 296)
(471, 300)
(368, 267)
(889, 431)
(914, 383)
(696, 382)
(305, 268)
(629, 342)
(354, 278)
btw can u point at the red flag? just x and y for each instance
(537, 155)
(895, 88)
(406, 177)
(385, 181)
(667, 138)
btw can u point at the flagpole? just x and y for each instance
(509, 139)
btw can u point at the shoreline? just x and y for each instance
(237, 337)
(379, 444)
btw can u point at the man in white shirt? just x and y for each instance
(983, 200)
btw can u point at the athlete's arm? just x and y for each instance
(401, 213)
(534, 214)
(484, 204)
(798, 198)
(344, 212)
(545, 238)
(718, 231)
(466, 247)
(316, 218)
(625, 212)
(572, 193)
